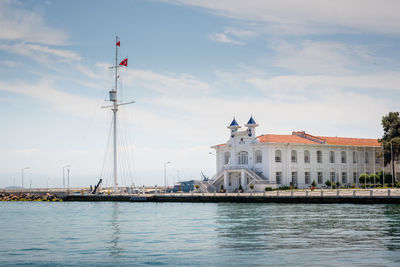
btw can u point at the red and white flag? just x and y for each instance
(119, 43)
(124, 62)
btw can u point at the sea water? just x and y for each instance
(198, 234)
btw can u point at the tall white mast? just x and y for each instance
(114, 107)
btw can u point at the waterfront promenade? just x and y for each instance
(323, 196)
(327, 196)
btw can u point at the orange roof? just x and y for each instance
(280, 138)
(304, 138)
(345, 141)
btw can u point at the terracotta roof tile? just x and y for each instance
(279, 138)
(345, 141)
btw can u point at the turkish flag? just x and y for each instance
(124, 62)
(119, 43)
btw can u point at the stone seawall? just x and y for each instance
(239, 199)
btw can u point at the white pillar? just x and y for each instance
(242, 179)
(225, 180)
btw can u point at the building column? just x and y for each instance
(242, 179)
(225, 180)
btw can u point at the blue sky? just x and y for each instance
(327, 67)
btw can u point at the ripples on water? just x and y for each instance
(88, 233)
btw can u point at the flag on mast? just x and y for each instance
(119, 43)
(124, 62)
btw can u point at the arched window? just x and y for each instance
(227, 158)
(331, 157)
(343, 157)
(319, 156)
(278, 156)
(243, 157)
(258, 156)
(306, 156)
(366, 157)
(294, 156)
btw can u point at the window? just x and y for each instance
(258, 156)
(319, 156)
(294, 178)
(377, 158)
(343, 157)
(278, 176)
(227, 157)
(320, 178)
(307, 177)
(243, 158)
(366, 158)
(294, 156)
(354, 157)
(278, 156)
(306, 156)
(229, 179)
(354, 177)
(332, 177)
(344, 177)
(331, 157)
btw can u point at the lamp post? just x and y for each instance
(23, 175)
(165, 174)
(66, 166)
(68, 178)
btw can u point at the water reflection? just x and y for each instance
(326, 228)
(392, 226)
(115, 248)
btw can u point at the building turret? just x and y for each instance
(234, 126)
(251, 127)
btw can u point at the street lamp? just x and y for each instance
(64, 175)
(68, 177)
(165, 174)
(23, 175)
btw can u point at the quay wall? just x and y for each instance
(239, 199)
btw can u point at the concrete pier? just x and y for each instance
(377, 196)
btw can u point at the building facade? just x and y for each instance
(297, 160)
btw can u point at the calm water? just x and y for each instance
(187, 234)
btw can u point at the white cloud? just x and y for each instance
(223, 38)
(240, 33)
(19, 24)
(309, 16)
(303, 83)
(40, 53)
(165, 83)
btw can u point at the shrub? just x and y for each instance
(197, 186)
(251, 186)
(268, 189)
(328, 183)
(314, 183)
(285, 187)
(374, 179)
(363, 178)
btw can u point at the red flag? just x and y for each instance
(119, 43)
(124, 62)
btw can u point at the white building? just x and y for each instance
(298, 159)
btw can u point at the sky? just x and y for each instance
(331, 68)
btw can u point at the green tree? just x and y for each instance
(314, 183)
(363, 178)
(391, 138)
(328, 183)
